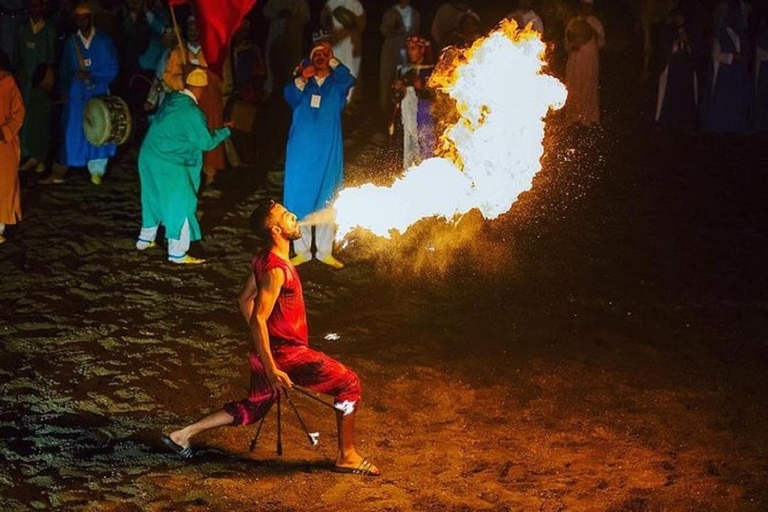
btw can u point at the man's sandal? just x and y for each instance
(183, 452)
(365, 468)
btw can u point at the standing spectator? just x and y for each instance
(677, 93)
(314, 162)
(446, 23)
(345, 19)
(729, 90)
(169, 170)
(12, 16)
(285, 40)
(11, 118)
(211, 101)
(35, 57)
(584, 37)
(761, 81)
(89, 64)
(415, 103)
(399, 22)
(525, 15)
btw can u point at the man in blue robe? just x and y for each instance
(314, 165)
(89, 64)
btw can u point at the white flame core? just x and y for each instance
(502, 97)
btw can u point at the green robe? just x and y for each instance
(170, 163)
(31, 50)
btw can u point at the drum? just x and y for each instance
(107, 120)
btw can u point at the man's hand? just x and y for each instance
(279, 380)
(148, 106)
(399, 85)
(229, 124)
(308, 72)
(83, 75)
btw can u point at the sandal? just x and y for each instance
(185, 453)
(365, 468)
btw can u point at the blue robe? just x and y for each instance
(101, 61)
(729, 90)
(314, 162)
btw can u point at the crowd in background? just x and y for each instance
(706, 63)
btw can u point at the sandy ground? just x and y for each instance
(601, 347)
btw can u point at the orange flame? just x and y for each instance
(487, 155)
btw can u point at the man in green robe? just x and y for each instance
(170, 165)
(34, 57)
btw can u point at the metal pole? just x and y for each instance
(279, 429)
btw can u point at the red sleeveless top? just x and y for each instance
(287, 325)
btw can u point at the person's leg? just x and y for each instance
(177, 249)
(146, 238)
(324, 235)
(323, 374)
(244, 412)
(219, 418)
(303, 246)
(97, 168)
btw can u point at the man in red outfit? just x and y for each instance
(272, 302)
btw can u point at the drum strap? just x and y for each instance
(79, 52)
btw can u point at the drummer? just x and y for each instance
(89, 65)
(170, 161)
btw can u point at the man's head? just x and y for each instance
(417, 49)
(321, 55)
(36, 8)
(196, 81)
(83, 17)
(193, 35)
(273, 221)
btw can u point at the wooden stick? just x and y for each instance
(279, 430)
(178, 38)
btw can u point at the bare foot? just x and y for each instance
(355, 461)
(178, 437)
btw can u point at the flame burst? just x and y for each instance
(488, 157)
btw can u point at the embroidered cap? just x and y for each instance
(320, 35)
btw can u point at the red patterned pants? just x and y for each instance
(307, 368)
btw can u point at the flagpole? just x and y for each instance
(178, 36)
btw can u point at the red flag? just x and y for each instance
(217, 21)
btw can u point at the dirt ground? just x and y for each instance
(601, 347)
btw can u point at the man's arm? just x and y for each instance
(247, 297)
(266, 297)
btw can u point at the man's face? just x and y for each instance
(192, 34)
(415, 53)
(321, 56)
(286, 221)
(83, 22)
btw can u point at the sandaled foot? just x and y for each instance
(183, 451)
(300, 259)
(143, 245)
(364, 468)
(332, 262)
(186, 260)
